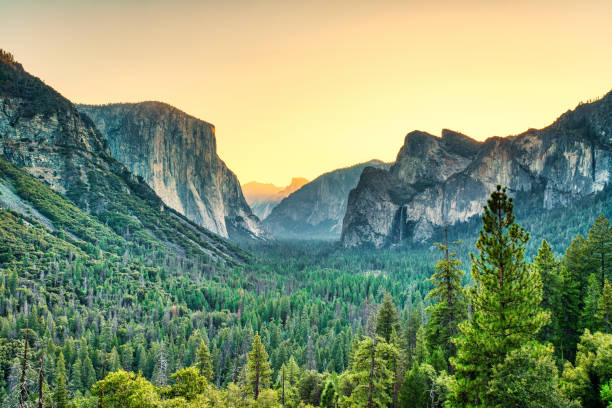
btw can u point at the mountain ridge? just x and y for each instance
(430, 186)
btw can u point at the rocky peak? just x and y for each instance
(425, 158)
(448, 179)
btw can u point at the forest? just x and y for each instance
(496, 320)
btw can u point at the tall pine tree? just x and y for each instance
(387, 320)
(204, 362)
(258, 368)
(506, 301)
(450, 307)
(60, 394)
(549, 269)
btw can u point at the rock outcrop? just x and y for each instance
(315, 211)
(43, 133)
(446, 180)
(176, 154)
(263, 197)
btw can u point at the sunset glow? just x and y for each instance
(300, 88)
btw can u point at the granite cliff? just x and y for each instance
(446, 180)
(176, 154)
(44, 134)
(315, 211)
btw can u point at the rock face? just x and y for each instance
(43, 133)
(176, 154)
(263, 197)
(446, 180)
(315, 211)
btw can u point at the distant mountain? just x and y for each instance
(447, 180)
(315, 211)
(42, 133)
(263, 197)
(176, 154)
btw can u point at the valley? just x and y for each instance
(136, 271)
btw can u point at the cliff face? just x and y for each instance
(176, 154)
(443, 180)
(316, 210)
(263, 197)
(43, 133)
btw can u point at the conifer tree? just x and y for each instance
(599, 242)
(591, 301)
(550, 274)
(204, 362)
(450, 308)
(604, 309)
(506, 301)
(372, 371)
(574, 271)
(387, 318)
(258, 368)
(60, 394)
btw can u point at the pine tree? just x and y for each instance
(372, 371)
(591, 301)
(387, 318)
(450, 307)
(506, 301)
(604, 309)
(549, 269)
(574, 271)
(60, 395)
(599, 242)
(258, 368)
(204, 362)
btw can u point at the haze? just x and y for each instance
(300, 88)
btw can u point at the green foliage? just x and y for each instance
(387, 320)
(204, 362)
(506, 301)
(372, 373)
(528, 378)
(593, 368)
(606, 393)
(549, 269)
(450, 308)
(126, 390)
(258, 368)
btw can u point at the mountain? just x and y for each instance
(176, 155)
(263, 197)
(57, 164)
(316, 209)
(446, 180)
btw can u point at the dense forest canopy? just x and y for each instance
(91, 317)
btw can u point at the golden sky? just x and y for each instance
(297, 88)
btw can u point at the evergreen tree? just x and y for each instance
(372, 372)
(329, 396)
(574, 270)
(604, 308)
(506, 301)
(416, 386)
(599, 242)
(591, 302)
(549, 269)
(450, 307)
(204, 362)
(258, 368)
(60, 394)
(387, 320)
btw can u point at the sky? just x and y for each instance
(298, 88)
